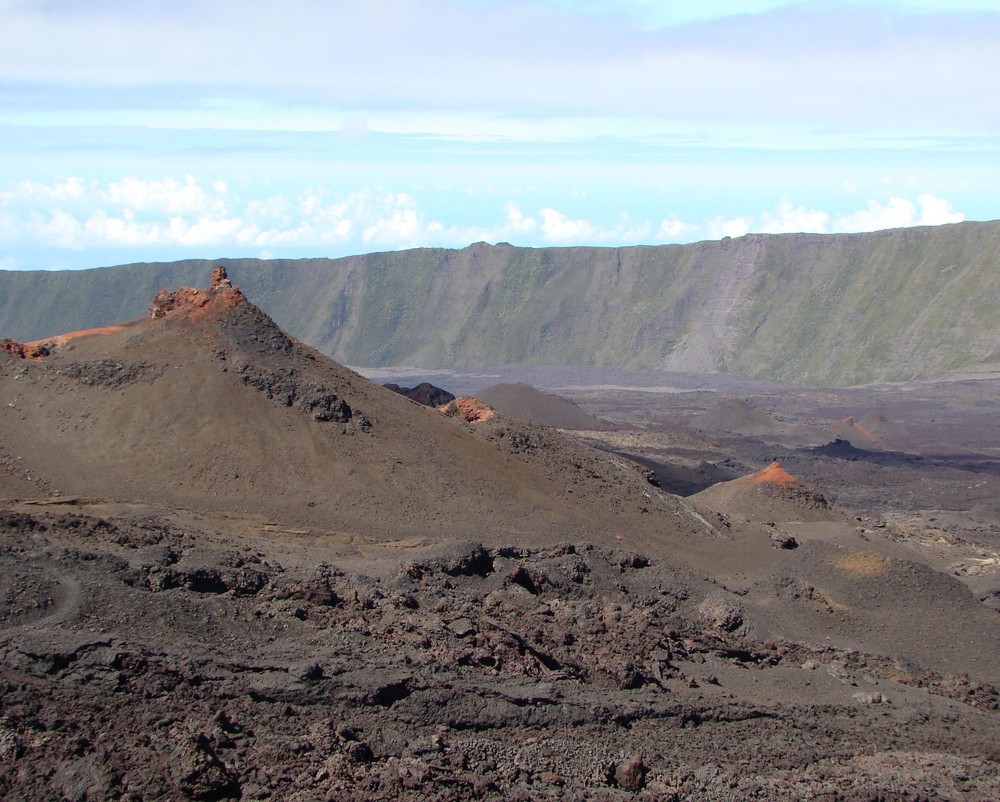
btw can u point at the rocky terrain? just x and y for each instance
(232, 569)
(810, 309)
(147, 658)
(424, 393)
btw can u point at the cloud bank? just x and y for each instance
(816, 63)
(172, 212)
(159, 129)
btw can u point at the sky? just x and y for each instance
(151, 130)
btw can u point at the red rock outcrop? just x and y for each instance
(37, 349)
(469, 409)
(190, 299)
(220, 278)
(23, 350)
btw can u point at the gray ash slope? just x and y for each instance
(522, 401)
(212, 406)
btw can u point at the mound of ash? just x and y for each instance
(225, 308)
(207, 405)
(424, 393)
(771, 494)
(774, 475)
(850, 429)
(736, 416)
(524, 402)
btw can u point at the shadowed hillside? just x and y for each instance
(797, 308)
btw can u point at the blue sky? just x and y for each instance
(163, 129)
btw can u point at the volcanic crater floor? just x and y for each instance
(145, 659)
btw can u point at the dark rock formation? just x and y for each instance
(841, 449)
(424, 393)
(287, 389)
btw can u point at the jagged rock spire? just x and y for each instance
(220, 278)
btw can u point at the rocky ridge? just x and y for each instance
(913, 303)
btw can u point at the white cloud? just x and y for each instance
(102, 229)
(937, 211)
(144, 214)
(900, 213)
(59, 228)
(628, 231)
(674, 229)
(277, 207)
(401, 226)
(557, 227)
(735, 227)
(895, 213)
(517, 222)
(204, 230)
(148, 213)
(791, 219)
(527, 58)
(70, 190)
(166, 196)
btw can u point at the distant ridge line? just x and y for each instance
(810, 309)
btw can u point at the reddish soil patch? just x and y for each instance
(13, 347)
(38, 349)
(773, 474)
(469, 409)
(771, 494)
(60, 340)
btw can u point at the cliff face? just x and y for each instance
(794, 308)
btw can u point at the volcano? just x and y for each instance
(770, 494)
(207, 405)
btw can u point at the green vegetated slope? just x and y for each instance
(794, 308)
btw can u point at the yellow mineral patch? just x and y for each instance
(863, 563)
